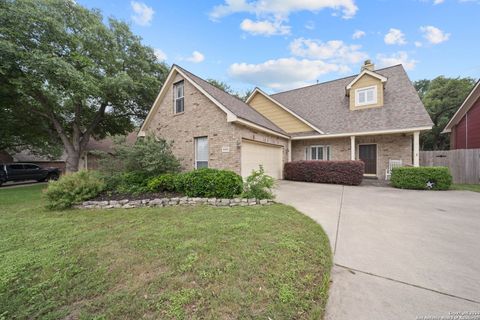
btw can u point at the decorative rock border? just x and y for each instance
(167, 202)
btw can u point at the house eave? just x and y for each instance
(364, 133)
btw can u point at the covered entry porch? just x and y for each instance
(374, 149)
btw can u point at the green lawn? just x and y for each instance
(467, 187)
(159, 263)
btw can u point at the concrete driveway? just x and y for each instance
(398, 254)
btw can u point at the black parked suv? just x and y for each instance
(26, 171)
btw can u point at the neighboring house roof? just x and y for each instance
(28, 156)
(326, 105)
(106, 144)
(232, 103)
(468, 103)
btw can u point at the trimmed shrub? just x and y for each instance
(210, 183)
(258, 185)
(421, 178)
(127, 182)
(165, 182)
(73, 188)
(338, 172)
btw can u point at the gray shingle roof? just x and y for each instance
(235, 105)
(326, 105)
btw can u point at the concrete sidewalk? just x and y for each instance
(398, 254)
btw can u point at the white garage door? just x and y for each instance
(268, 155)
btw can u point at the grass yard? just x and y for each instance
(159, 263)
(467, 187)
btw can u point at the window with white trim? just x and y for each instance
(365, 96)
(201, 152)
(178, 97)
(318, 153)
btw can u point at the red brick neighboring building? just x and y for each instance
(465, 124)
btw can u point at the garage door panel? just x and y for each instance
(256, 154)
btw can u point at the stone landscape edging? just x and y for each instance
(167, 202)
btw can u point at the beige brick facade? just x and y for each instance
(394, 147)
(202, 118)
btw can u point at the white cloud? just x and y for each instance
(334, 50)
(400, 57)
(196, 57)
(434, 35)
(285, 73)
(310, 25)
(264, 27)
(282, 8)
(418, 44)
(435, 2)
(143, 13)
(358, 34)
(161, 56)
(395, 36)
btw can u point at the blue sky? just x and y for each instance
(283, 44)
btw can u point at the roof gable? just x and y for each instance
(232, 106)
(283, 117)
(366, 72)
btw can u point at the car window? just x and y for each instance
(31, 166)
(16, 166)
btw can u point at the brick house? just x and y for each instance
(465, 123)
(375, 116)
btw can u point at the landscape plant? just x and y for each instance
(421, 178)
(259, 185)
(73, 188)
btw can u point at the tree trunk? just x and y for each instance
(72, 162)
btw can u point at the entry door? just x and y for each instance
(368, 154)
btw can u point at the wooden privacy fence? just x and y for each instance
(464, 164)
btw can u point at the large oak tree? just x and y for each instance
(66, 76)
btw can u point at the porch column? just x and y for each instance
(416, 149)
(290, 150)
(352, 147)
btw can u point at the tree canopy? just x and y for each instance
(67, 76)
(228, 89)
(442, 97)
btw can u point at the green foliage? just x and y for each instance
(164, 182)
(148, 157)
(258, 185)
(127, 182)
(442, 97)
(421, 178)
(212, 183)
(65, 75)
(228, 89)
(73, 188)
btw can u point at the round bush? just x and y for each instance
(421, 178)
(211, 183)
(73, 188)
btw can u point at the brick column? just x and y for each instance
(352, 147)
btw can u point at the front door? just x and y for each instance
(368, 154)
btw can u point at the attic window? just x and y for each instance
(178, 97)
(366, 96)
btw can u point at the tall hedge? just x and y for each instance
(421, 178)
(338, 172)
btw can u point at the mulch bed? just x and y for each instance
(105, 196)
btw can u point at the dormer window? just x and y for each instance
(178, 97)
(366, 96)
